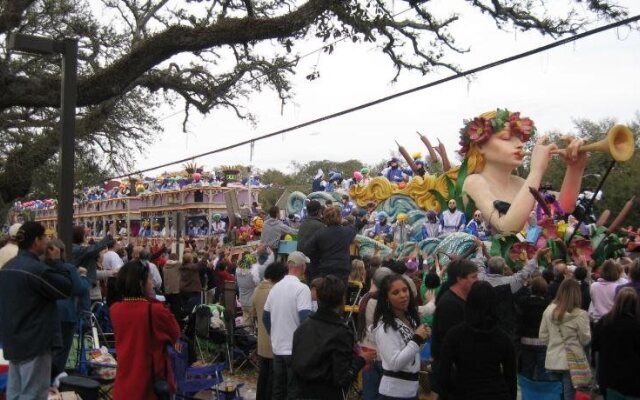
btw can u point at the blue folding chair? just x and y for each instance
(540, 390)
(190, 380)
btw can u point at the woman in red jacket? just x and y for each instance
(143, 327)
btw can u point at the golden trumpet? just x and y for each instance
(619, 143)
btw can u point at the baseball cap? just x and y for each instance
(298, 258)
(13, 230)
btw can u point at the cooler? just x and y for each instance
(287, 246)
(4, 374)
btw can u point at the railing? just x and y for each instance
(185, 199)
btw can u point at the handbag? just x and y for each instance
(160, 385)
(583, 395)
(579, 367)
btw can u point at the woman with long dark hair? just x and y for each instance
(482, 355)
(143, 327)
(616, 337)
(398, 335)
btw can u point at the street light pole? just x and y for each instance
(68, 48)
(68, 99)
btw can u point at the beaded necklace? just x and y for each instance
(135, 299)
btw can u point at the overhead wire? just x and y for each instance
(458, 75)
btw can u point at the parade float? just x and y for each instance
(521, 215)
(150, 204)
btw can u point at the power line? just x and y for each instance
(400, 94)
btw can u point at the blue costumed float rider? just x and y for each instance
(394, 173)
(452, 219)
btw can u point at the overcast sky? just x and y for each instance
(594, 78)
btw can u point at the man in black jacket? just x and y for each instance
(31, 328)
(310, 225)
(323, 361)
(450, 309)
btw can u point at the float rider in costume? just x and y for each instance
(365, 176)
(347, 206)
(452, 219)
(401, 231)
(382, 229)
(394, 173)
(218, 227)
(477, 227)
(317, 185)
(430, 227)
(335, 182)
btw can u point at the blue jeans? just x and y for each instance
(532, 363)
(567, 387)
(371, 376)
(29, 379)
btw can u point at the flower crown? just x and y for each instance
(480, 130)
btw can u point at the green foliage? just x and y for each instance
(304, 173)
(274, 177)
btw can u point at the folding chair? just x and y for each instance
(206, 338)
(241, 345)
(540, 390)
(352, 306)
(190, 380)
(84, 366)
(98, 321)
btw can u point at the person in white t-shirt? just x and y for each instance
(111, 261)
(288, 304)
(10, 249)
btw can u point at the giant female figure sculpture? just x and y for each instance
(493, 147)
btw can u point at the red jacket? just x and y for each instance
(133, 347)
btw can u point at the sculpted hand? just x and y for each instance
(541, 154)
(570, 154)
